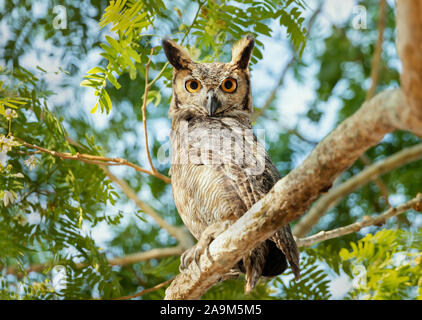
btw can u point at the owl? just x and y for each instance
(219, 168)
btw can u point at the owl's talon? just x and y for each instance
(184, 261)
(196, 258)
(194, 253)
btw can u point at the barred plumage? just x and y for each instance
(219, 168)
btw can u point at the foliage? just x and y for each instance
(215, 24)
(51, 199)
(388, 265)
(313, 283)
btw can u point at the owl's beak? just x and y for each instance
(212, 103)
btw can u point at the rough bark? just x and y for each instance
(409, 45)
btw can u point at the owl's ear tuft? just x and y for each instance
(176, 55)
(242, 52)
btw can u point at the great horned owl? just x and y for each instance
(219, 169)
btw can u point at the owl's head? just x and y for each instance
(211, 89)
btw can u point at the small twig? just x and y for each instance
(158, 75)
(29, 153)
(200, 5)
(331, 198)
(148, 86)
(357, 226)
(301, 137)
(144, 112)
(283, 73)
(377, 180)
(177, 232)
(157, 253)
(97, 160)
(376, 58)
(145, 291)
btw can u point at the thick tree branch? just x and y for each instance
(375, 70)
(409, 43)
(145, 291)
(357, 226)
(331, 198)
(292, 195)
(377, 180)
(144, 112)
(283, 73)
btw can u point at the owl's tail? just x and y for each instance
(270, 258)
(284, 241)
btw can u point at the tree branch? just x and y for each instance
(144, 112)
(91, 159)
(145, 291)
(158, 253)
(179, 233)
(283, 74)
(330, 199)
(357, 226)
(274, 91)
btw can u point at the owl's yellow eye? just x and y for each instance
(229, 85)
(193, 85)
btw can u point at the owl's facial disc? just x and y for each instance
(212, 103)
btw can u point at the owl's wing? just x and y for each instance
(250, 188)
(248, 171)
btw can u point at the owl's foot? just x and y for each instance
(202, 246)
(232, 274)
(194, 253)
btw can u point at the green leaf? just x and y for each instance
(96, 70)
(113, 81)
(41, 69)
(93, 110)
(90, 83)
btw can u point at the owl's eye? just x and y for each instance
(229, 85)
(193, 85)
